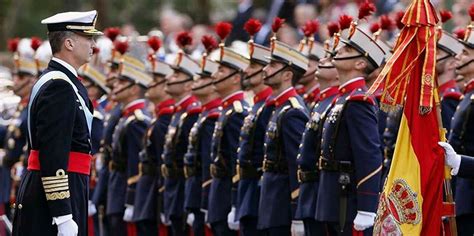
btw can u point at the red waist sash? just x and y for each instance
(78, 162)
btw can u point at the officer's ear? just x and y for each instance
(360, 64)
(287, 75)
(451, 63)
(69, 42)
(237, 78)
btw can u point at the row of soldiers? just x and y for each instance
(307, 161)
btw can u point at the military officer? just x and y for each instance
(129, 89)
(351, 161)
(53, 195)
(461, 165)
(448, 48)
(309, 151)
(252, 135)
(14, 141)
(282, 138)
(225, 141)
(462, 128)
(198, 156)
(146, 211)
(178, 85)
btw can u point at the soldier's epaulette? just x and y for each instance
(295, 103)
(453, 95)
(362, 98)
(139, 115)
(213, 114)
(98, 115)
(238, 106)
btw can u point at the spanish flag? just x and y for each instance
(412, 199)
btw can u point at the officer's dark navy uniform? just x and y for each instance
(250, 158)
(307, 160)
(176, 143)
(56, 120)
(197, 161)
(146, 197)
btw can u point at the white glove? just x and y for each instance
(364, 220)
(164, 220)
(127, 216)
(91, 208)
(452, 159)
(190, 219)
(205, 217)
(297, 228)
(68, 228)
(233, 224)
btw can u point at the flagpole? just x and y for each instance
(447, 177)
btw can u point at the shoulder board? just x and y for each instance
(472, 98)
(453, 95)
(214, 114)
(238, 106)
(295, 103)
(139, 115)
(183, 116)
(362, 98)
(98, 115)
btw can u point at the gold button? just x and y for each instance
(20, 206)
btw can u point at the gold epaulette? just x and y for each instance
(98, 115)
(238, 106)
(294, 103)
(56, 187)
(139, 115)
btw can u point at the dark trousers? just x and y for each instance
(147, 227)
(221, 228)
(313, 227)
(465, 224)
(198, 224)
(177, 226)
(248, 226)
(118, 227)
(333, 229)
(277, 231)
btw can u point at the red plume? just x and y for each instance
(154, 42)
(223, 29)
(345, 21)
(121, 46)
(112, 33)
(95, 50)
(252, 26)
(460, 33)
(277, 24)
(471, 12)
(375, 27)
(184, 39)
(35, 43)
(445, 15)
(398, 19)
(13, 44)
(310, 28)
(386, 23)
(333, 27)
(209, 43)
(366, 9)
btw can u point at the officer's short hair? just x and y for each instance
(56, 39)
(297, 74)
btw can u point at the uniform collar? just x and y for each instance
(262, 95)
(352, 84)
(313, 94)
(185, 102)
(131, 107)
(284, 96)
(444, 87)
(212, 104)
(229, 100)
(165, 107)
(469, 86)
(328, 92)
(66, 65)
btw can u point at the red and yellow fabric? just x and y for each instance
(411, 202)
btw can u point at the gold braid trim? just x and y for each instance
(57, 195)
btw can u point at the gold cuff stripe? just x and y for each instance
(59, 181)
(57, 195)
(54, 177)
(369, 176)
(56, 189)
(55, 185)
